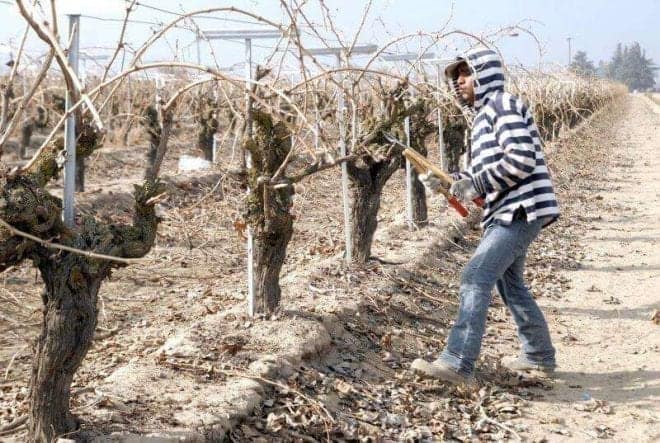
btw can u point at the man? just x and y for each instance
(508, 170)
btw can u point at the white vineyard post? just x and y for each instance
(408, 57)
(409, 196)
(441, 142)
(317, 129)
(341, 53)
(216, 116)
(346, 203)
(442, 149)
(199, 54)
(248, 165)
(214, 153)
(247, 36)
(68, 202)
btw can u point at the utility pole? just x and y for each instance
(570, 54)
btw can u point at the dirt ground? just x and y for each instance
(608, 346)
(595, 273)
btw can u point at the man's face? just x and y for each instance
(465, 82)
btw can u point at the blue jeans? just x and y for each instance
(499, 260)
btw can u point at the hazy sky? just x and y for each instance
(594, 25)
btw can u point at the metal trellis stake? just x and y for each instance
(414, 57)
(68, 203)
(341, 55)
(345, 198)
(441, 142)
(247, 36)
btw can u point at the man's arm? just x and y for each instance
(519, 158)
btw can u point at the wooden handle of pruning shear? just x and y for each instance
(422, 161)
(422, 164)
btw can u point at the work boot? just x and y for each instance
(441, 371)
(519, 364)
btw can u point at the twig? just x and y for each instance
(13, 426)
(121, 43)
(498, 424)
(13, 231)
(318, 167)
(11, 362)
(73, 82)
(279, 385)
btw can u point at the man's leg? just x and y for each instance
(532, 328)
(497, 251)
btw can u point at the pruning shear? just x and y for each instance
(423, 166)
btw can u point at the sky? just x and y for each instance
(594, 26)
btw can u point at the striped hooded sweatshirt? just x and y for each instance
(507, 165)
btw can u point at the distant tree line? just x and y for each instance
(628, 65)
(581, 65)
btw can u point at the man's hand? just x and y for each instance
(463, 190)
(430, 182)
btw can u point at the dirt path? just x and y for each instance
(608, 347)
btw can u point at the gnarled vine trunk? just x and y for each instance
(26, 135)
(270, 244)
(420, 128)
(207, 121)
(420, 212)
(152, 124)
(372, 168)
(71, 280)
(268, 210)
(454, 139)
(80, 174)
(69, 321)
(364, 219)
(205, 143)
(72, 283)
(368, 181)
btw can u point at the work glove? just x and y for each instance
(430, 182)
(463, 190)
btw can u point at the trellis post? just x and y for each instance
(247, 36)
(68, 202)
(342, 56)
(408, 57)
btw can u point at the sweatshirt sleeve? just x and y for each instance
(518, 160)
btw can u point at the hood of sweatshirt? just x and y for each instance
(488, 72)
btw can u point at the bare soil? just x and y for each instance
(605, 327)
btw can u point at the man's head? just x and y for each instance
(464, 80)
(474, 76)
